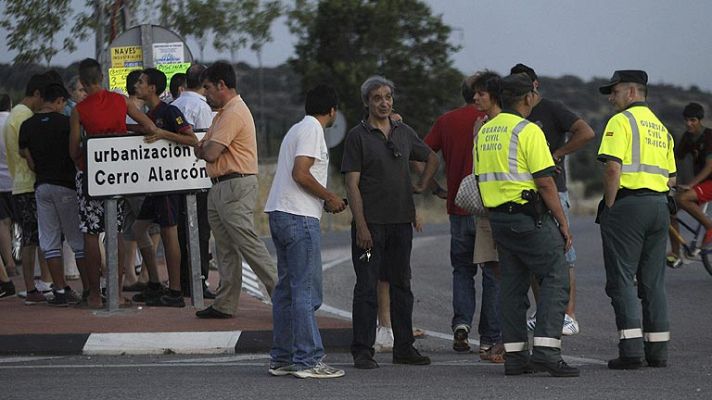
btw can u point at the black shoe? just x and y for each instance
(657, 363)
(210, 312)
(165, 300)
(557, 368)
(59, 300)
(208, 294)
(136, 287)
(150, 295)
(517, 369)
(412, 357)
(460, 343)
(7, 289)
(625, 363)
(365, 361)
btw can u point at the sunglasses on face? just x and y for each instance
(392, 147)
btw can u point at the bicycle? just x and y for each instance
(692, 250)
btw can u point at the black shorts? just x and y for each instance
(26, 208)
(7, 210)
(161, 209)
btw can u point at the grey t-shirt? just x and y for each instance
(385, 184)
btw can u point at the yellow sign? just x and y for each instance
(172, 69)
(127, 56)
(117, 78)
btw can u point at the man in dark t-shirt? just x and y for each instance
(161, 209)
(380, 193)
(44, 143)
(566, 133)
(696, 141)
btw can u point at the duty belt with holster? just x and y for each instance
(534, 207)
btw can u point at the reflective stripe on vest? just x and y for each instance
(630, 333)
(635, 164)
(547, 342)
(512, 175)
(656, 336)
(515, 347)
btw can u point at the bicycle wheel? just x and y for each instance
(704, 255)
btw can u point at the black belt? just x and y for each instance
(509, 207)
(623, 192)
(227, 177)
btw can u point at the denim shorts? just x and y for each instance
(566, 205)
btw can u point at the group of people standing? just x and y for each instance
(514, 142)
(511, 138)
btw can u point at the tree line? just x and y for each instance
(339, 42)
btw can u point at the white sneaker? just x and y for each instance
(571, 326)
(319, 371)
(282, 370)
(384, 340)
(531, 322)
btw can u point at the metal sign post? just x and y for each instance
(196, 275)
(112, 254)
(125, 165)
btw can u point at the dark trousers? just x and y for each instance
(203, 240)
(526, 248)
(392, 244)
(634, 233)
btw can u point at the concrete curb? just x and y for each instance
(216, 342)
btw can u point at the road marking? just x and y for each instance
(161, 343)
(23, 359)
(215, 362)
(241, 357)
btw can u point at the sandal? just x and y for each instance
(497, 354)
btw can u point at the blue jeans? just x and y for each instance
(566, 205)
(464, 299)
(298, 293)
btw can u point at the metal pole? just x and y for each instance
(112, 254)
(147, 45)
(196, 276)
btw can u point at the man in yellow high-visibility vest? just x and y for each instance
(639, 160)
(515, 172)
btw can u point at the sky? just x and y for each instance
(585, 38)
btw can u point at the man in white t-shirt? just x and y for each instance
(295, 205)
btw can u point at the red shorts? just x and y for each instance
(703, 191)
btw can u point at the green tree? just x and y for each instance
(343, 42)
(259, 30)
(231, 34)
(196, 18)
(33, 26)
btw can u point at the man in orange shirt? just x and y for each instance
(230, 150)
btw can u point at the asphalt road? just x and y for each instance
(451, 376)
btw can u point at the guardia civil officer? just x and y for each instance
(515, 172)
(637, 151)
